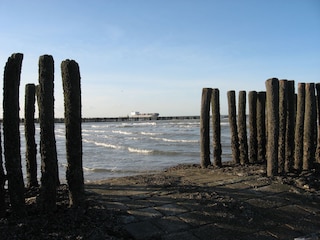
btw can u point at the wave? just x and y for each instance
(150, 133)
(175, 140)
(140, 151)
(122, 132)
(107, 145)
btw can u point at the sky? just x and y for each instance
(156, 56)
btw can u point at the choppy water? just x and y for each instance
(113, 149)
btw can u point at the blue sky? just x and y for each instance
(156, 56)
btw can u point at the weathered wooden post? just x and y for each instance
(272, 86)
(318, 126)
(48, 151)
(233, 126)
(11, 132)
(282, 125)
(216, 128)
(253, 146)
(2, 183)
(309, 128)
(299, 128)
(72, 117)
(291, 110)
(205, 128)
(29, 127)
(242, 128)
(261, 126)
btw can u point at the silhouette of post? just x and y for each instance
(299, 128)
(282, 125)
(309, 128)
(48, 151)
(2, 183)
(242, 128)
(216, 128)
(253, 146)
(272, 86)
(29, 127)
(261, 126)
(233, 126)
(72, 116)
(205, 128)
(291, 110)
(318, 125)
(11, 132)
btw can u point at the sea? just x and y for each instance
(116, 149)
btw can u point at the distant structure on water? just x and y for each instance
(144, 115)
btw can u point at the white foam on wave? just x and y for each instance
(107, 145)
(149, 133)
(122, 132)
(175, 140)
(140, 151)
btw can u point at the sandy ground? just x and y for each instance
(97, 221)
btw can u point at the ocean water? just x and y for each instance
(114, 149)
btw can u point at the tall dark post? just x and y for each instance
(72, 107)
(216, 128)
(242, 128)
(272, 86)
(205, 128)
(233, 126)
(282, 125)
(318, 126)
(291, 110)
(261, 126)
(253, 146)
(299, 128)
(309, 128)
(11, 124)
(2, 183)
(29, 127)
(48, 151)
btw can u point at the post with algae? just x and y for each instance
(242, 128)
(216, 128)
(72, 106)
(282, 125)
(253, 142)
(205, 127)
(233, 126)
(261, 126)
(291, 111)
(48, 151)
(299, 127)
(11, 132)
(272, 86)
(29, 127)
(309, 128)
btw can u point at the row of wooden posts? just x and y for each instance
(283, 127)
(11, 124)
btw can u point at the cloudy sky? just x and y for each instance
(157, 55)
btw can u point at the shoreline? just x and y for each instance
(181, 202)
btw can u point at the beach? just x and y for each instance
(182, 202)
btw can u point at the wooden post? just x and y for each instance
(261, 126)
(298, 137)
(216, 128)
(205, 128)
(233, 126)
(2, 183)
(282, 125)
(48, 151)
(72, 117)
(309, 128)
(318, 126)
(272, 86)
(242, 128)
(11, 132)
(29, 127)
(291, 110)
(253, 146)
